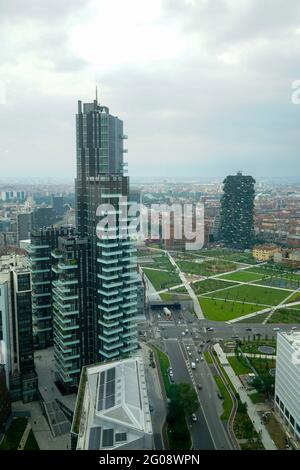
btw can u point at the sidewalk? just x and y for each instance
(24, 437)
(251, 408)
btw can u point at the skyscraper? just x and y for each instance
(111, 261)
(237, 211)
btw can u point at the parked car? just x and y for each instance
(220, 396)
(276, 329)
(194, 418)
(199, 386)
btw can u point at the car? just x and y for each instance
(190, 354)
(197, 359)
(235, 337)
(295, 328)
(248, 329)
(199, 386)
(187, 348)
(220, 396)
(276, 329)
(194, 418)
(172, 379)
(202, 358)
(151, 408)
(183, 333)
(187, 330)
(193, 365)
(208, 341)
(210, 329)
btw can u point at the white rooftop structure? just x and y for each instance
(114, 412)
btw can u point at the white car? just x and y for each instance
(194, 417)
(295, 328)
(276, 329)
(197, 359)
(190, 354)
(187, 330)
(183, 333)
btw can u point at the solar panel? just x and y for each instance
(107, 438)
(94, 440)
(110, 388)
(101, 392)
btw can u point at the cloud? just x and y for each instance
(203, 87)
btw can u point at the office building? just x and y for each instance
(112, 408)
(70, 322)
(5, 402)
(112, 276)
(16, 331)
(23, 226)
(237, 211)
(58, 206)
(42, 217)
(43, 242)
(287, 384)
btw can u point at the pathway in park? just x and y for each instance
(197, 307)
(251, 409)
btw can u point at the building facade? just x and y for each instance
(112, 290)
(287, 384)
(237, 211)
(16, 333)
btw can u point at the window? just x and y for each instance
(121, 437)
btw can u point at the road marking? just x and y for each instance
(195, 386)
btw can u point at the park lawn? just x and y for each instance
(242, 276)
(285, 316)
(14, 434)
(229, 255)
(31, 443)
(227, 402)
(173, 296)
(295, 297)
(253, 294)
(161, 279)
(210, 285)
(218, 310)
(238, 367)
(206, 268)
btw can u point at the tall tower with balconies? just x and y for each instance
(111, 262)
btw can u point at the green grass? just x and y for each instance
(238, 367)
(257, 397)
(161, 279)
(208, 357)
(227, 402)
(285, 316)
(164, 363)
(252, 346)
(253, 295)
(242, 276)
(31, 443)
(218, 310)
(14, 434)
(210, 285)
(230, 255)
(173, 296)
(206, 268)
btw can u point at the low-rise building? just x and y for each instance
(287, 384)
(265, 252)
(112, 408)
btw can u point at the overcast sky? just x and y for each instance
(203, 86)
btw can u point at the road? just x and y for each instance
(201, 436)
(208, 432)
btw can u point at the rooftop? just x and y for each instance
(114, 409)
